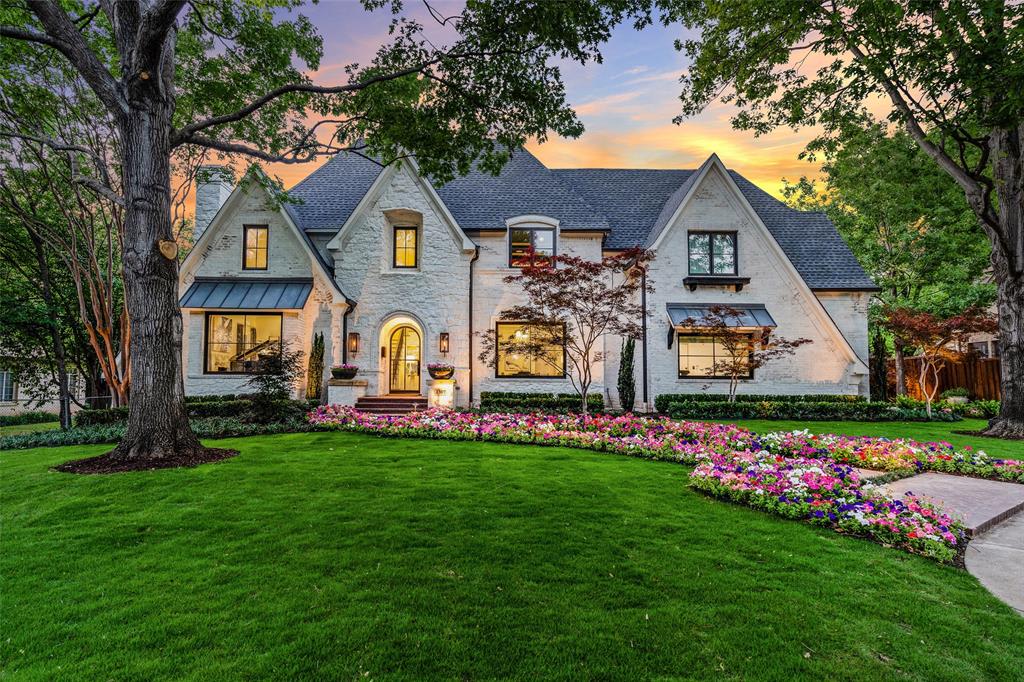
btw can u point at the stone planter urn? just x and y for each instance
(344, 371)
(441, 371)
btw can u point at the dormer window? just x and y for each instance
(530, 246)
(712, 253)
(254, 251)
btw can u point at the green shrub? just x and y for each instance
(662, 401)
(34, 417)
(242, 409)
(805, 410)
(215, 427)
(497, 401)
(958, 392)
(978, 409)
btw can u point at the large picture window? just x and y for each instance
(701, 357)
(405, 247)
(530, 246)
(712, 253)
(236, 343)
(530, 350)
(254, 255)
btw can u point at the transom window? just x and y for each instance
(530, 350)
(530, 246)
(702, 357)
(254, 253)
(7, 391)
(405, 247)
(712, 253)
(236, 343)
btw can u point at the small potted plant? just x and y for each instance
(441, 370)
(345, 371)
(955, 395)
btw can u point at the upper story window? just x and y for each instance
(254, 253)
(530, 246)
(712, 253)
(406, 245)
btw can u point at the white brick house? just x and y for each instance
(398, 273)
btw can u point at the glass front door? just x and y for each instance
(405, 360)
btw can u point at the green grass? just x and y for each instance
(920, 431)
(337, 556)
(28, 428)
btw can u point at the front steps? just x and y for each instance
(391, 404)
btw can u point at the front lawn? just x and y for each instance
(919, 431)
(16, 429)
(333, 555)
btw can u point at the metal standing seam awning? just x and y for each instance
(248, 294)
(691, 314)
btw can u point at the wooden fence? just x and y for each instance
(980, 376)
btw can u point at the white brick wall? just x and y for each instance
(286, 257)
(820, 367)
(435, 295)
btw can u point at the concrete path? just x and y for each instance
(979, 503)
(996, 559)
(868, 474)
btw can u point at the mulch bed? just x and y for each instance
(105, 464)
(984, 435)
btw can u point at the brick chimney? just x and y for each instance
(213, 187)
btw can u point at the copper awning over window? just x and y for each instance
(690, 315)
(248, 294)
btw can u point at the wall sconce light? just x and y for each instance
(353, 342)
(444, 342)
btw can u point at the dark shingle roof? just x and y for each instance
(330, 193)
(525, 186)
(630, 204)
(638, 203)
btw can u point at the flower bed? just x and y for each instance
(662, 439)
(830, 494)
(893, 454)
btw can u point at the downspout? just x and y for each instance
(350, 305)
(476, 254)
(643, 353)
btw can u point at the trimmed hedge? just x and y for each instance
(800, 409)
(216, 427)
(242, 409)
(662, 402)
(34, 417)
(499, 401)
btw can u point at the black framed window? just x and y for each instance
(254, 251)
(530, 351)
(236, 343)
(701, 357)
(530, 246)
(712, 253)
(405, 251)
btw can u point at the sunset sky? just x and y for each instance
(627, 104)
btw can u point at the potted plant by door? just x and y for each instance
(344, 371)
(441, 370)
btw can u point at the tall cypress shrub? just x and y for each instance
(626, 386)
(315, 371)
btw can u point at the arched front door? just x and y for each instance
(405, 360)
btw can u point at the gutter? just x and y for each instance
(476, 254)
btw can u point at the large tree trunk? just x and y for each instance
(1010, 422)
(901, 367)
(158, 427)
(1008, 268)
